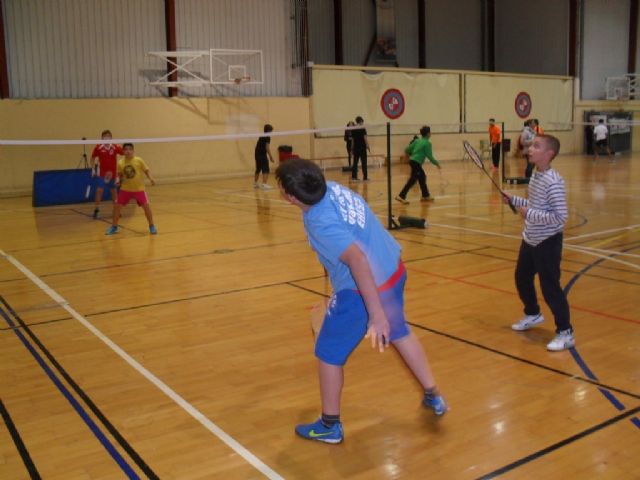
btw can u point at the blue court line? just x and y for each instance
(126, 468)
(574, 351)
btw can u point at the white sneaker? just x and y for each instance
(562, 341)
(266, 186)
(256, 185)
(403, 201)
(527, 322)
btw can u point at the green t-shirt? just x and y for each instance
(420, 149)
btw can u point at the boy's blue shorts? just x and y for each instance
(104, 182)
(346, 320)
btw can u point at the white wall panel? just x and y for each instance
(80, 49)
(321, 32)
(454, 35)
(407, 33)
(241, 24)
(532, 37)
(605, 46)
(358, 28)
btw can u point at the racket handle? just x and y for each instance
(509, 202)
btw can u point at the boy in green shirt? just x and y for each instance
(417, 151)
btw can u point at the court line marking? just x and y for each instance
(560, 444)
(502, 353)
(186, 406)
(600, 250)
(568, 246)
(75, 404)
(509, 292)
(601, 232)
(20, 446)
(574, 351)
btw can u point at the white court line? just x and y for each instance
(455, 215)
(602, 232)
(566, 246)
(186, 406)
(600, 250)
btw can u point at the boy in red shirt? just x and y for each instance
(103, 165)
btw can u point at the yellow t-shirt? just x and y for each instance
(132, 174)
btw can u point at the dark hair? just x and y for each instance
(492, 120)
(128, 144)
(359, 119)
(601, 120)
(105, 132)
(424, 131)
(302, 179)
(268, 128)
(552, 143)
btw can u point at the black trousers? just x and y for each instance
(529, 170)
(359, 155)
(349, 145)
(417, 175)
(495, 154)
(543, 259)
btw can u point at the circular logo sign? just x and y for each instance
(392, 103)
(523, 104)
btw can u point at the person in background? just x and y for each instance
(131, 169)
(601, 139)
(525, 141)
(360, 149)
(537, 128)
(495, 138)
(418, 150)
(263, 157)
(103, 166)
(348, 140)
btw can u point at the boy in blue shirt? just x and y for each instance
(367, 276)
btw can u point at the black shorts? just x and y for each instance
(262, 163)
(602, 143)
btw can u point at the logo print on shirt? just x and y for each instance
(351, 207)
(129, 171)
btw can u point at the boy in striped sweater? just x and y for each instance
(545, 213)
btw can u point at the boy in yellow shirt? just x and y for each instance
(130, 176)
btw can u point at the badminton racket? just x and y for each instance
(475, 157)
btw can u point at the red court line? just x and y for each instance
(510, 292)
(508, 267)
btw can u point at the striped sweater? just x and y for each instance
(547, 207)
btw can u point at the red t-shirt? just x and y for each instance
(107, 157)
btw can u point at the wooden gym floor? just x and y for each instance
(189, 354)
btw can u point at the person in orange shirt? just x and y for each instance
(537, 128)
(495, 137)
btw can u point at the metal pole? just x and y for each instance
(502, 152)
(389, 215)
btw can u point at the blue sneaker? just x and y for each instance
(436, 403)
(153, 230)
(319, 432)
(111, 230)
